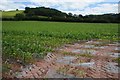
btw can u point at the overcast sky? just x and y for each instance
(83, 7)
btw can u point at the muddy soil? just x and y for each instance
(90, 59)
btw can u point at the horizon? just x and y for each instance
(84, 7)
(56, 9)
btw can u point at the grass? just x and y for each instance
(66, 29)
(117, 60)
(10, 14)
(23, 40)
(37, 26)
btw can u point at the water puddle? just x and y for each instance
(112, 67)
(117, 48)
(88, 64)
(84, 51)
(116, 55)
(94, 42)
(88, 46)
(53, 74)
(66, 59)
(101, 47)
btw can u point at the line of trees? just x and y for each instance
(49, 14)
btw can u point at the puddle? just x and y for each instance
(89, 42)
(88, 64)
(112, 67)
(57, 75)
(66, 59)
(88, 46)
(101, 47)
(69, 59)
(53, 74)
(115, 55)
(94, 42)
(87, 51)
(117, 48)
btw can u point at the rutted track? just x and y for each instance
(89, 59)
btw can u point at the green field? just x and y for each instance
(28, 40)
(10, 14)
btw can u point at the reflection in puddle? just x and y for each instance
(87, 51)
(102, 47)
(89, 46)
(94, 42)
(115, 55)
(117, 48)
(88, 64)
(66, 59)
(111, 67)
(69, 59)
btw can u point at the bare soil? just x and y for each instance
(88, 59)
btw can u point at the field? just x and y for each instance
(28, 41)
(10, 14)
(40, 37)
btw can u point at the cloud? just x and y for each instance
(64, 0)
(101, 9)
(10, 5)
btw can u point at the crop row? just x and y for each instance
(69, 35)
(26, 47)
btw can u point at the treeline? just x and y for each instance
(49, 14)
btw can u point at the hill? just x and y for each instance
(50, 14)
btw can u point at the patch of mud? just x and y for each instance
(50, 57)
(53, 74)
(53, 65)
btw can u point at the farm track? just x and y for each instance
(70, 61)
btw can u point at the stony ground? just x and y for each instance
(84, 59)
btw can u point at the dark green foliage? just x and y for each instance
(42, 11)
(49, 14)
(19, 16)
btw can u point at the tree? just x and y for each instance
(17, 10)
(75, 15)
(80, 16)
(19, 16)
(70, 14)
(27, 9)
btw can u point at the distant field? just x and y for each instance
(29, 37)
(10, 14)
(62, 27)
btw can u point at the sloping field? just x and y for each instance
(10, 14)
